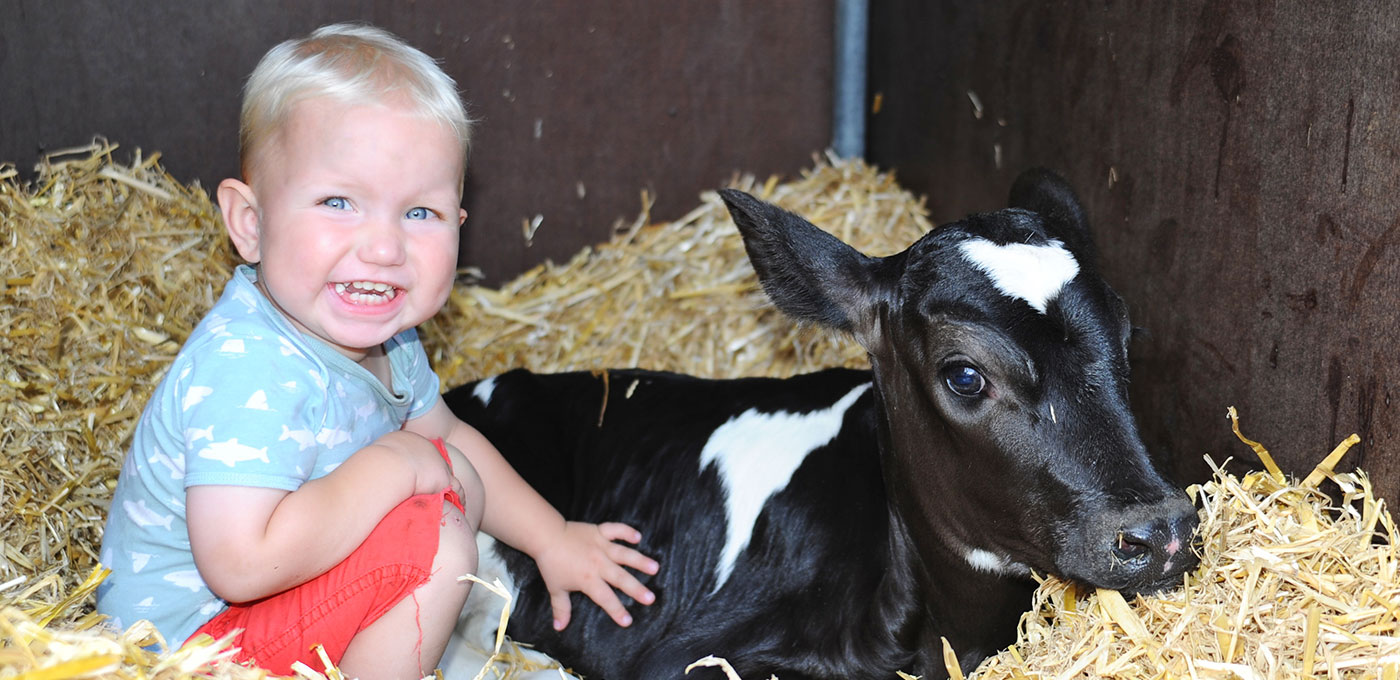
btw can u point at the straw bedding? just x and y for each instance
(112, 264)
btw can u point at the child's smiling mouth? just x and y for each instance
(366, 292)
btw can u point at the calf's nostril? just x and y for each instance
(1131, 547)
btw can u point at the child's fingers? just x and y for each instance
(623, 555)
(603, 595)
(623, 580)
(563, 609)
(617, 531)
(628, 557)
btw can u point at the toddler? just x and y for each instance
(296, 479)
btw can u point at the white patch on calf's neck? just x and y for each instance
(992, 563)
(484, 390)
(756, 455)
(1034, 273)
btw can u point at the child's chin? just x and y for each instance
(360, 341)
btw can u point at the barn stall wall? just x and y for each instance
(1237, 158)
(582, 104)
(1239, 163)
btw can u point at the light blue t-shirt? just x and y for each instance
(249, 401)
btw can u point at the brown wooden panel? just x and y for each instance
(582, 104)
(1239, 160)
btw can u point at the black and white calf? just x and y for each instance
(837, 524)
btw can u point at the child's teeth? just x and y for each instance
(366, 291)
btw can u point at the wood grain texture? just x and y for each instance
(581, 104)
(1239, 163)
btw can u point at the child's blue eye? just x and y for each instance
(337, 203)
(419, 214)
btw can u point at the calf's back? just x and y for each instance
(761, 497)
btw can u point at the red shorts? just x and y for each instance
(392, 562)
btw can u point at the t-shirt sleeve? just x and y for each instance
(413, 361)
(250, 412)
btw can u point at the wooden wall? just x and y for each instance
(582, 103)
(1241, 162)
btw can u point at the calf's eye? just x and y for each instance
(964, 380)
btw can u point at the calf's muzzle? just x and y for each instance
(1140, 549)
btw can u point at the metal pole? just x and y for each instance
(848, 115)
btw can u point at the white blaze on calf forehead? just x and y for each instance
(1034, 273)
(755, 455)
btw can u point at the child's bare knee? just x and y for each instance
(456, 542)
(473, 495)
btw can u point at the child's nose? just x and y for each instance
(382, 243)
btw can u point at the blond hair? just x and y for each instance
(352, 63)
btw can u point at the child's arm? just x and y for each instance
(572, 556)
(251, 542)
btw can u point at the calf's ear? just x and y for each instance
(809, 274)
(1046, 193)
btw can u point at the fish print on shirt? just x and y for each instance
(248, 298)
(194, 434)
(317, 380)
(288, 349)
(146, 517)
(231, 453)
(303, 438)
(139, 561)
(176, 465)
(194, 395)
(217, 325)
(188, 580)
(365, 411)
(332, 437)
(233, 346)
(257, 401)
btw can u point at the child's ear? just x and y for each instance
(240, 208)
(462, 217)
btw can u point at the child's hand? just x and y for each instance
(585, 558)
